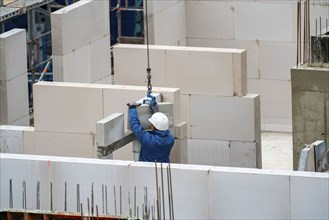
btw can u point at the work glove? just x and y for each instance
(133, 105)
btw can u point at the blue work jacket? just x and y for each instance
(155, 145)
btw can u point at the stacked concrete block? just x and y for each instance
(199, 192)
(257, 194)
(179, 151)
(80, 55)
(271, 97)
(223, 70)
(164, 31)
(14, 108)
(302, 195)
(58, 171)
(206, 98)
(271, 43)
(228, 118)
(72, 121)
(12, 139)
(210, 19)
(208, 152)
(65, 111)
(29, 141)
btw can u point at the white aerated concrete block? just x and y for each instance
(14, 100)
(280, 69)
(29, 141)
(100, 59)
(73, 67)
(238, 193)
(135, 72)
(309, 195)
(243, 154)
(71, 107)
(13, 54)
(210, 19)
(109, 129)
(208, 152)
(274, 118)
(181, 68)
(87, 64)
(193, 178)
(225, 118)
(180, 130)
(214, 76)
(70, 23)
(64, 144)
(58, 171)
(255, 21)
(185, 112)
(178, 153)
(12, 139)
(167, 31)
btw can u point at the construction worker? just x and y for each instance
(157, 142)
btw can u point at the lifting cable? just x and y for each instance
(148, 69)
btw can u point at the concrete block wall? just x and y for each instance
(164, 31)
(81, 42)
(14, 108)
(12, 139)
(203, 71)
(70, 122)
(199, 192)
(268, 31)
(208, 79)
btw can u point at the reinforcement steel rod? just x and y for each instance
(169, 197)
(135, 201)
(157, 185)
(65, 198)
(78, 198)
(51, 196)
(115, 200)
(92, 200)
(103, 199)
(11, 202)
(106, 200)
(120, 200)
(171, 193)
(38, 195)
(163, 198)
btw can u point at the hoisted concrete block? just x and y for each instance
(13, 54)
(70, 23)
(65, 111)
(309, 195)
(208, 152)
(258, 194)
(12, 139)
(109, 129)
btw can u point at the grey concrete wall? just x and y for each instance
(310, 107)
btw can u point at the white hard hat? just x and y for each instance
(160, 121)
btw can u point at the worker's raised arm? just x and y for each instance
(134, 122)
